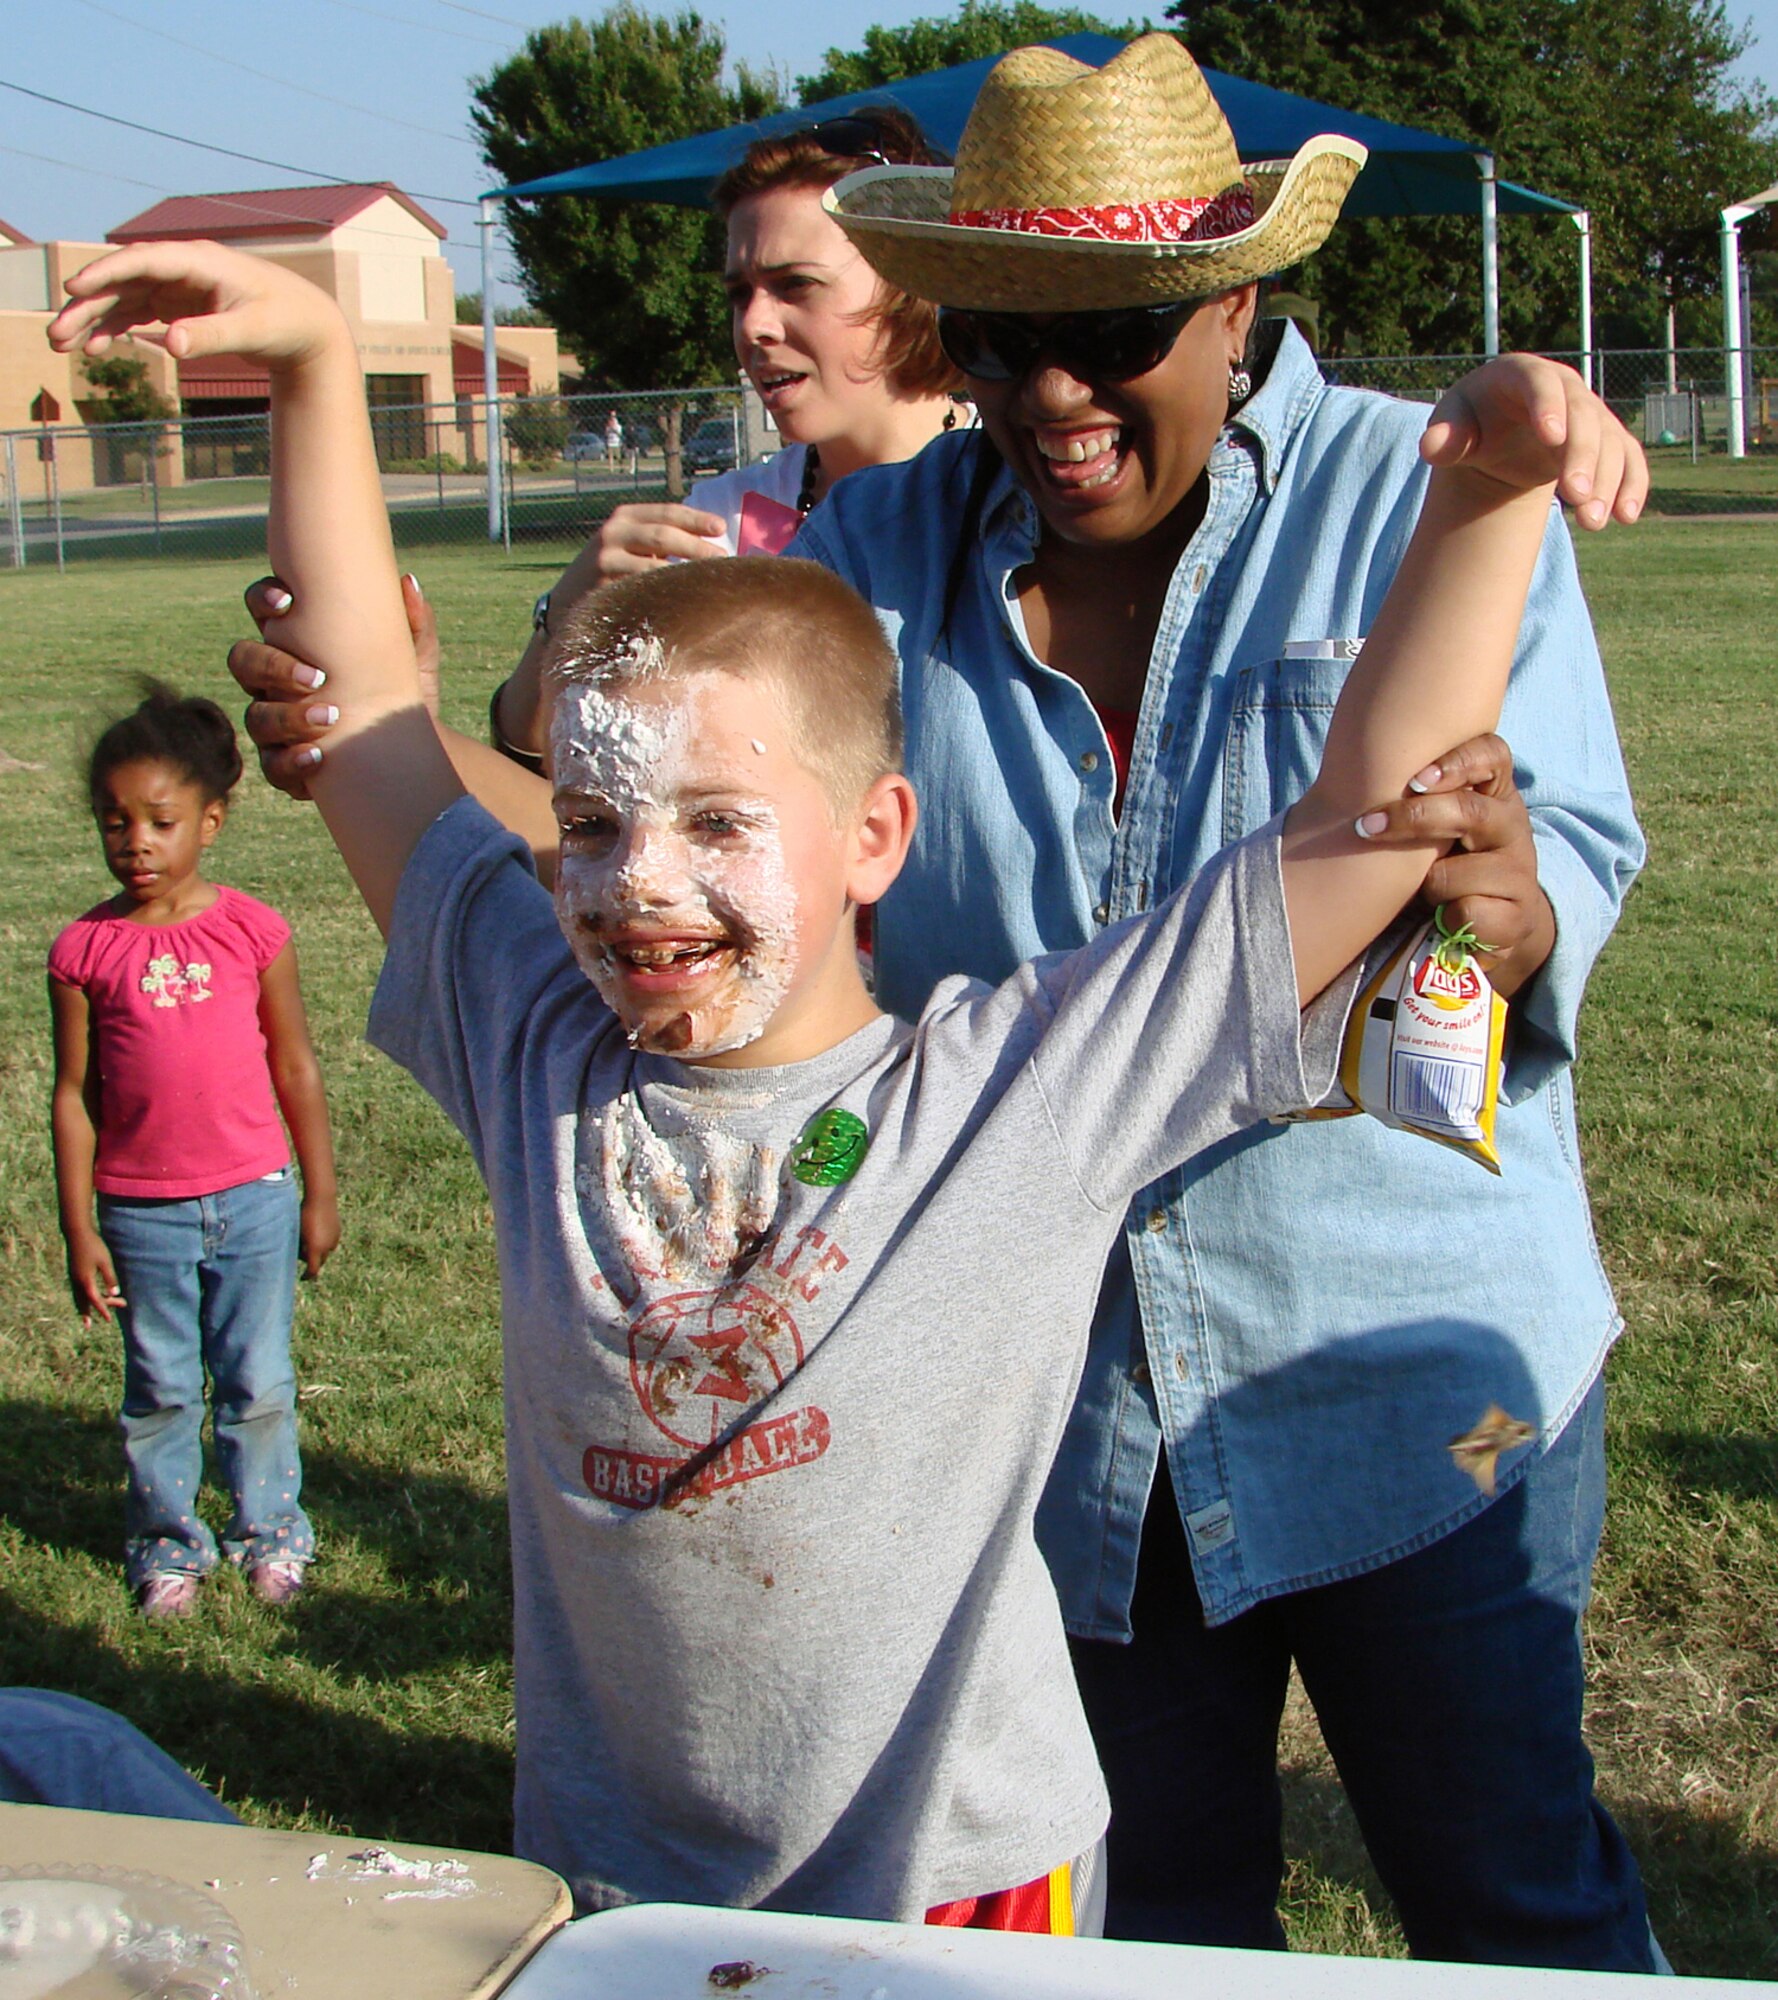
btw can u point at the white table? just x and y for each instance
(669, 1951)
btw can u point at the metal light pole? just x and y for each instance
(491, 379)
(1490, 256)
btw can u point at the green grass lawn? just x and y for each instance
(382, 1704)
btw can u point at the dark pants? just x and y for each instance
(1448, 1687)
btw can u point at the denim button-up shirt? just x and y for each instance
(1302, 1319)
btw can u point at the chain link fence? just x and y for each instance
(197, 486)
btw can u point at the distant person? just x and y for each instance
(179, 1036)
(614, 436)
(794, 1294)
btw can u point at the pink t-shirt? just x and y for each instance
(185, 1097)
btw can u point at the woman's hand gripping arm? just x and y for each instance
(1434, 668)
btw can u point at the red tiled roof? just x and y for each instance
(299, 211)
(13, 235)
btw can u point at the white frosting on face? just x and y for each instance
(667, 851)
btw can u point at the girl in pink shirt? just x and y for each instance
(179, 1036)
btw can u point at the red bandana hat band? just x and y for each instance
(1198, 219)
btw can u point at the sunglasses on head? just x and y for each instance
(1112, 346)
(858, 136)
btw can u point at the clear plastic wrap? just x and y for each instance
(77, 1933)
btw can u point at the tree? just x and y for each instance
(1625, 107)
(134, 411)
(130, 397)
(469, 313)
(633, 287)
(537, 428)
(978, 28)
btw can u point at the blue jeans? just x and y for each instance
(57, 1750)
(210, 1284)
(1448, 1687)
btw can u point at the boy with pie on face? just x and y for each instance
(795, 1293)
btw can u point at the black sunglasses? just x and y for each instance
(1110, 346)
(859, 136)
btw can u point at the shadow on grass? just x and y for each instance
(377, 1703)
(1731, 1468)
(61, 1484)
(268, 1752)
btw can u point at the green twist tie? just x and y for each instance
(1456, 948)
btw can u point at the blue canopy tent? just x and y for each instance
(1409, 172)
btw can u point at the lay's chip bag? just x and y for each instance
(1423, 1049)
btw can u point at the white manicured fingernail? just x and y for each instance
(278, 600)
(323, 715)
(308, 757)
(1370, 824)
(310, 678)
(1423, 781)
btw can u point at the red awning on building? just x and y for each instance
(466, 369)
(224, 377)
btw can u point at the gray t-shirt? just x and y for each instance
(782, 1632)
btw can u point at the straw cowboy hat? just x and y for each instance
(1077, 189)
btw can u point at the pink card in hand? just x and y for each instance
(766, 526)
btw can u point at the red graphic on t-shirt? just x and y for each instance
(696, 1355)
(640, 1479)
(697, 1361)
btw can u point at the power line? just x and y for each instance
(425, 27)
(481, 13)
(75, 167)
(235, 200)
(268, 76)
(228, 153)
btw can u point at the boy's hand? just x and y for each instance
(92, 1278)
(320, 1232)
(289, 712)
(193, 299)
(1487, 878)
(1524, 422)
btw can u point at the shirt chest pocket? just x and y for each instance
(1277, 725)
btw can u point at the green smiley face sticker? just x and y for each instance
(831, 1149)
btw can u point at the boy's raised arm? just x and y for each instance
(1434, 667)
(386, 777)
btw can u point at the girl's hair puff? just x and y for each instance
(187, 731)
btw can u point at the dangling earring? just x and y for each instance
(950, 422)
(1240, 385)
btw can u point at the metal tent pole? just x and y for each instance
(1584, 223)
(1732, 219)
(1490, 256)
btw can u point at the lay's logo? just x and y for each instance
(1445, 988)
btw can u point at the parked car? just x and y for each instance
(585, 444)
(710, 446)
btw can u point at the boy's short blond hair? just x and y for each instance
(776, 618)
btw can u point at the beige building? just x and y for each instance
(370, 247)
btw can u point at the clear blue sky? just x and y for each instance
(359, 89)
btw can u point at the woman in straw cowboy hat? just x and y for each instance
(1122, 622)
(1122, 617)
